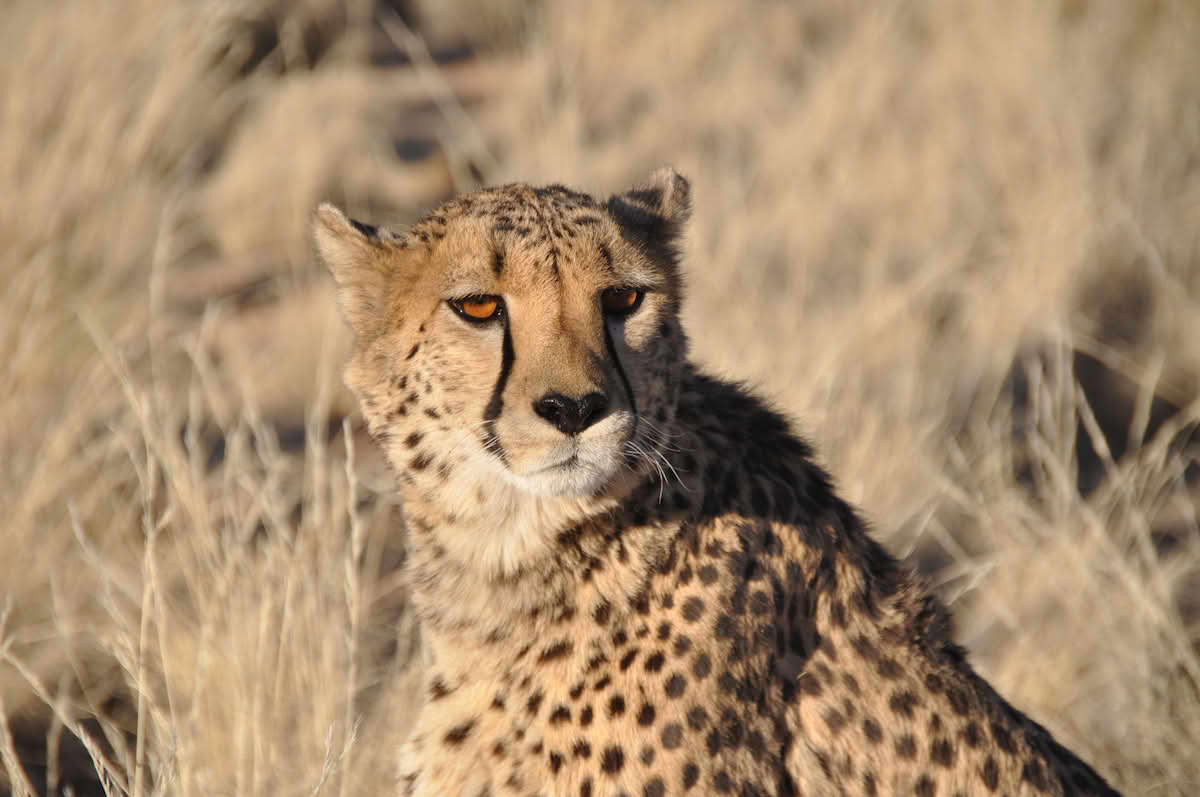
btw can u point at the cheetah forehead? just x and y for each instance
(527, 233)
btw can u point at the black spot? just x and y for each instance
(645, 715)
(581, 749)
(413, 351)
(972, 735)
(724, 627)
(458, 734)
(612, 760)
(697, 718)
(654, 788)
(672, 736)
(906, 746)
(942, 753)
(691, 774)
(1003, 738)
(616, 705)
(556, 651)
(990, 774)
(628, 658)
(926, 787)
(888, 668)
(960, 702)
(438, 689)
(732, 728)
(903, 703)
(701, 666)
(534, 702)
(676, 684)
(654, 662)
(693, 609)
(713, 742)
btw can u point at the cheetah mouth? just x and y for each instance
(577, 469)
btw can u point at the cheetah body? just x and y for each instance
(666, 596)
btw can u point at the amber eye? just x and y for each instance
(621, 301)
(478, 308)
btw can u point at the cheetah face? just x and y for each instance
(519, 336)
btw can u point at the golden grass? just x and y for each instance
(958, 241)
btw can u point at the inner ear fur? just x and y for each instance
(362, 260)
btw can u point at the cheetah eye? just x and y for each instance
(478, 309)
(621, 301)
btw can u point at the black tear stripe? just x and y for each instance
(495, 405)
(612, 352)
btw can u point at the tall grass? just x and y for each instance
(958, 241)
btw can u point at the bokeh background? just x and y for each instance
(957, 240)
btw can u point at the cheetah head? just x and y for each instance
(519, 339)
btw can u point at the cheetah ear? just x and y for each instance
(653, 214)
(666, 195)
(362, 259)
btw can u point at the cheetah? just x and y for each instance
(631, 577)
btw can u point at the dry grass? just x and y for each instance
(959, 241)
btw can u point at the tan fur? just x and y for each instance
(669, 600)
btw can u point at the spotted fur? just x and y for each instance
(670, 599)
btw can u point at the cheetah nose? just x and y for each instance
(571, 415)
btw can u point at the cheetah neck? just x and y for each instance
(507, 565)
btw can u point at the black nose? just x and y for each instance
(571, 415)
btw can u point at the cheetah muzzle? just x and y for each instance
(631, 577)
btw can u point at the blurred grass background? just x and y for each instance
(959, 241)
